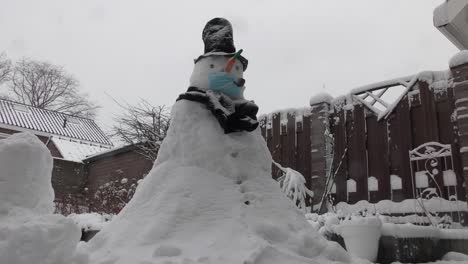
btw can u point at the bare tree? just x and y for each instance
(144, 125)
(5, 68)
(48, 86)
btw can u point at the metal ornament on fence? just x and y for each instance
(431, 159)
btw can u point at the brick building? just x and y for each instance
(67, 137)
(85, 160)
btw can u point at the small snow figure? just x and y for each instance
(217, 80)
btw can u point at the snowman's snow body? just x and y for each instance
(210, 198)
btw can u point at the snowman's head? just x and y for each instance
(208, 66)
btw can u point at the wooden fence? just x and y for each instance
(379, 148)
(296, 139)
(370, 147)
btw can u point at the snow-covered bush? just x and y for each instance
(91, 221)
(294, 186)
(112, 196)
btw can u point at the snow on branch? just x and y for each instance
(293, 184)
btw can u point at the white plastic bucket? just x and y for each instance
(362, 240)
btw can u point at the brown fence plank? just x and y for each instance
(291, 141)
(357, 158)
(276, 148)
(284, 141)
(338, 129)
(306, 130)
(301, 162)
(399, 126)
(378, 162)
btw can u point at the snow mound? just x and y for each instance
(459, 59)
(45, 239)
(25, 175)
(90, 221)
(455, 256)
(210, 199)
(29, 232)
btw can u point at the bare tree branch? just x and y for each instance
(5, 68)
(144, 125)
(48, 86)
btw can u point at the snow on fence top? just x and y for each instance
(298, 113)
(320, 98)
(381, 97)
(384, 84)
(435, 204)
(459, 59)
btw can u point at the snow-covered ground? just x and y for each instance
(190, 209)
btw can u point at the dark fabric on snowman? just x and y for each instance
(233, 116)
(218, 36)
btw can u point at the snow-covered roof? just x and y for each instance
(76, 150)
(23, 117)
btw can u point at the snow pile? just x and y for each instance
(459, 59)
(90, 221)
(45, 239)
(455, 256)
(210, 199)
(29, 232)
(25, 175)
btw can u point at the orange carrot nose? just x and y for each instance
(230, 64)
(231, 61)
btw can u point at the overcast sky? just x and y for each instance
(145, 49)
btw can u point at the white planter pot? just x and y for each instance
(362, 239)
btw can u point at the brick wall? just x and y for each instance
(105, 189)
(68, 181)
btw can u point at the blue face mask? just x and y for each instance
(224, 83)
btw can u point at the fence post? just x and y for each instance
(320, 151)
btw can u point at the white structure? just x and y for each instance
(451, 18)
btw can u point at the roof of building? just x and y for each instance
(111, 152)
(76, 150)
(28, 118)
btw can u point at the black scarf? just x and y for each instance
(232, 115)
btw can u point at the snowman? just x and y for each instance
(217, 79)
(210, 197)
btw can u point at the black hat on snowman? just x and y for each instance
(219, 41)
